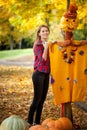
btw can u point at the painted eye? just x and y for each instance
(66, 20)
(85, 71)
(73, 20)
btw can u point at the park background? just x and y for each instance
(19, 21)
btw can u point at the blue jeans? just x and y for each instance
(41, 84)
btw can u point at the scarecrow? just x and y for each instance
(68, 61)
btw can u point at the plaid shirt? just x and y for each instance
(39, 63)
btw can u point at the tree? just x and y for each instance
(25, 16)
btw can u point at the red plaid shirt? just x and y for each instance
(39, 63)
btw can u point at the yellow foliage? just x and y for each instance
(25, 16)
(55, 33)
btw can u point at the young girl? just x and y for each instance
(40, 75)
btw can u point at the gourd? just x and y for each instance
(62, 123)
(49, 122)
(46, 121)
(37, 127)
(14, 122)
(41, 127)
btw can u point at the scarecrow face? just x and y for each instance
(68, 24)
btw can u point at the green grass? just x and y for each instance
(8, 54)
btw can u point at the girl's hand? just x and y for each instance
(45, 44)
(45, 52)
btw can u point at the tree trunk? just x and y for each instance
(48, 11)
(20, 44)
(11, 42)
(68, 3)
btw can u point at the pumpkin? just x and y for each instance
(63, 123)
(14, 122)
(50, 124)
(41, 127)
(37, 127)
(46, 121)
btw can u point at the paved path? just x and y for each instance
(10, 63)
(20, 61)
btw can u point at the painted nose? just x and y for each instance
(70, 24)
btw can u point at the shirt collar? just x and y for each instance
(39, 42)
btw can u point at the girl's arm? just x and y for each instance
(45, 53)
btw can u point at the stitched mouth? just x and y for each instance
(70, 28)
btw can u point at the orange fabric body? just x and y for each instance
(70, 80)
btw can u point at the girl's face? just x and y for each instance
(44, 32)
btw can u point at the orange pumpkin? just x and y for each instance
(63, 123)
(37, 127)
(40, 127)
(46, 121)
(49, 123)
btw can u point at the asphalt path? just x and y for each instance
(26, 61)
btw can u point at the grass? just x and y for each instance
(8, 54)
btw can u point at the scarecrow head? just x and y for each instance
(69, 20)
